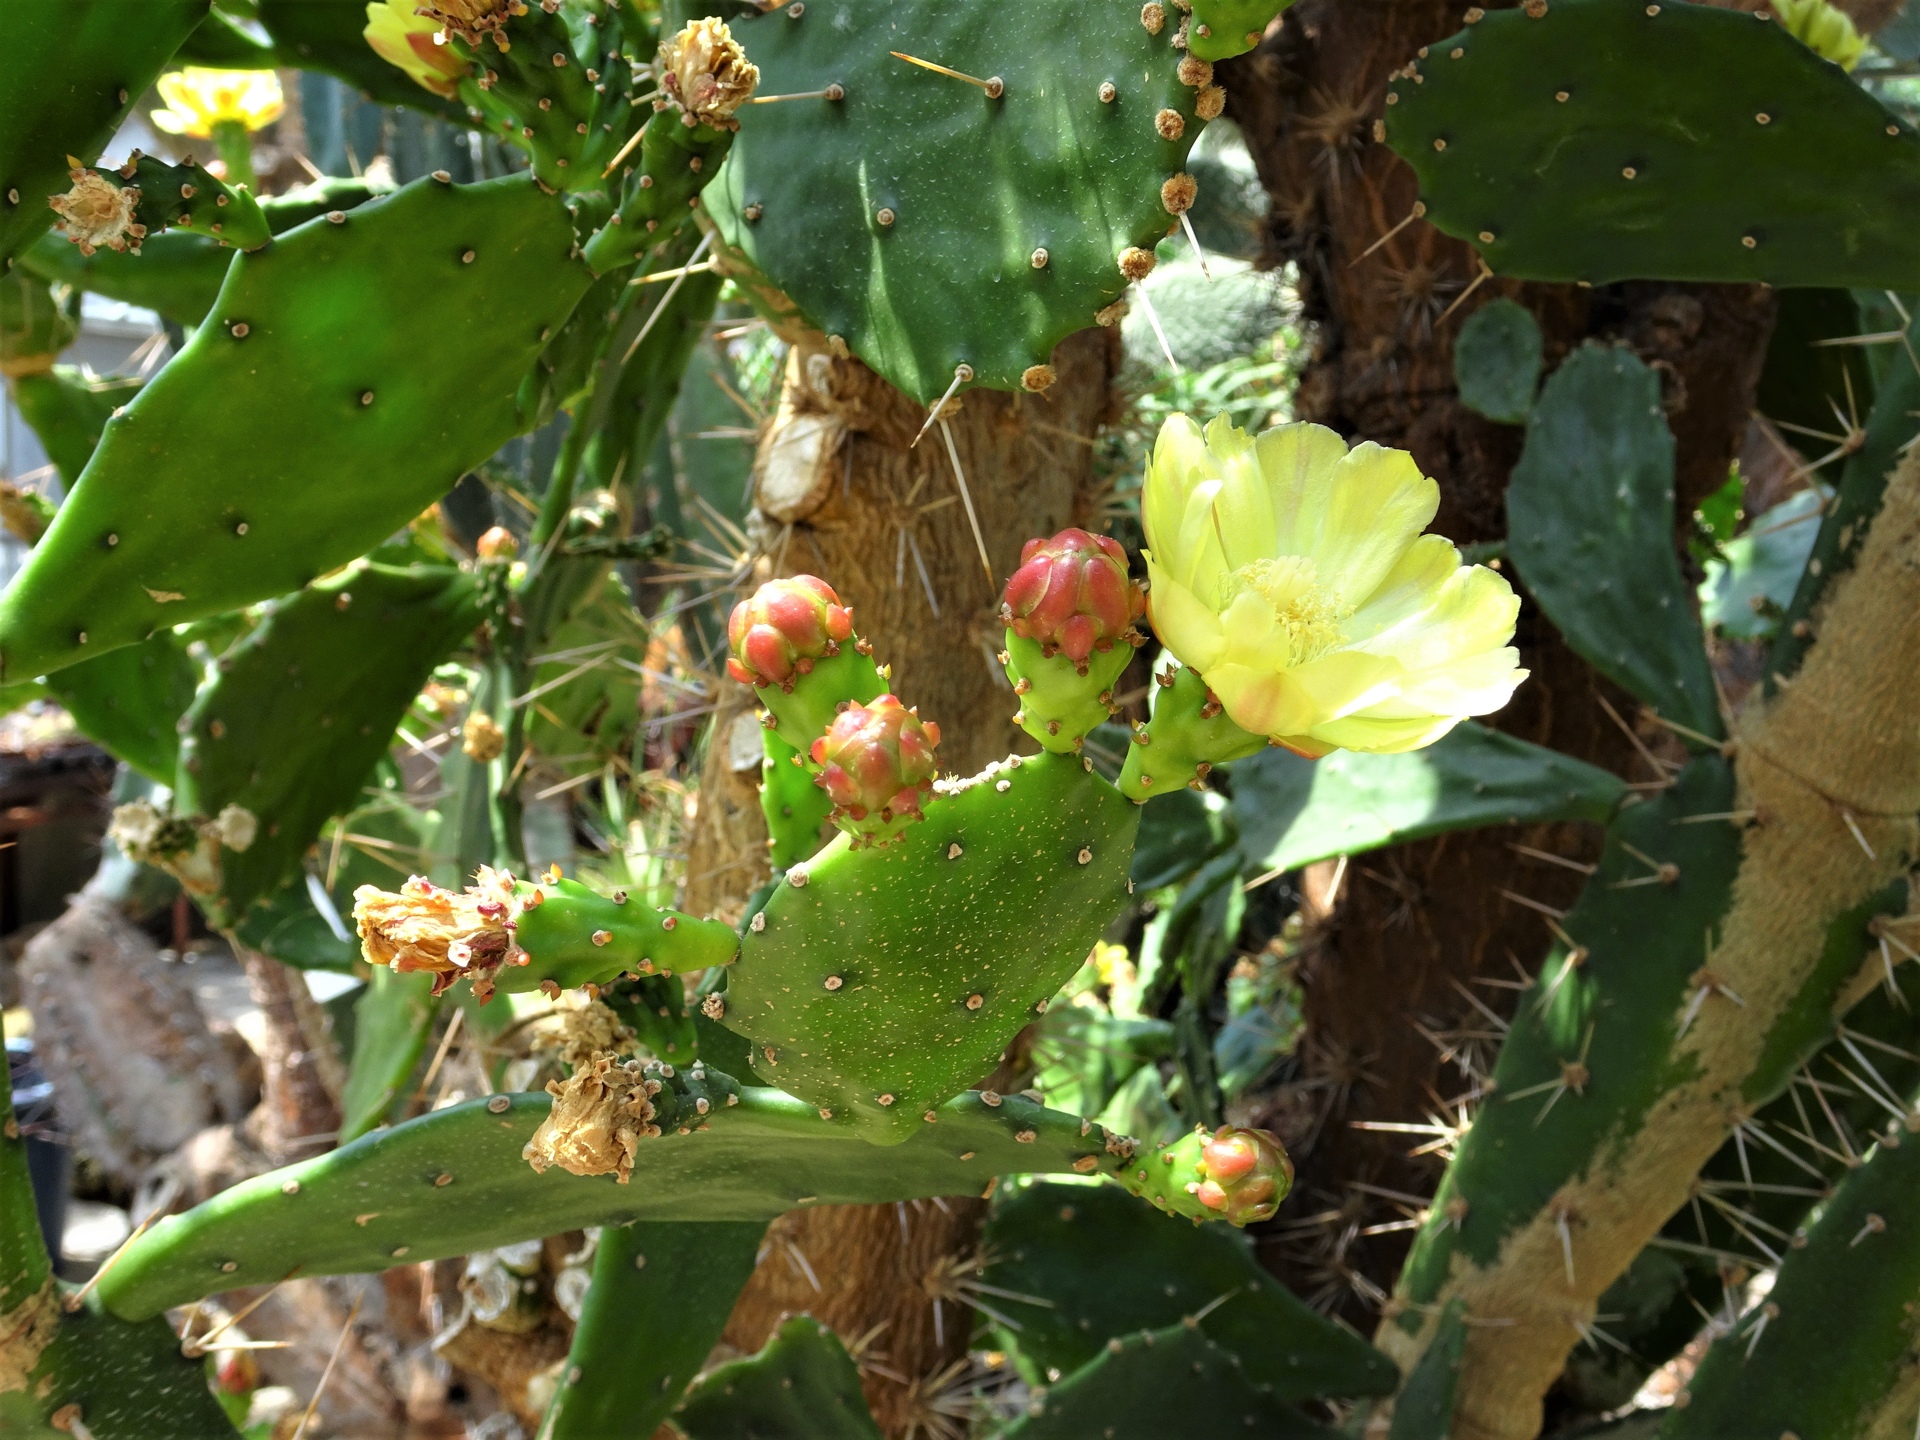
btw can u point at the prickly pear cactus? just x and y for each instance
(973, 240)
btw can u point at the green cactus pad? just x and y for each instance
(1615, 1014)
(1179, 738)
(298, 712)
(1590, 526)
(1837, 1348)
(802, 1383)
(391, 1022)
(877, 1010)
(795, 808)
(1669, 142)
(661, 1295)
(189, 197)
(1293, 811)
(675, 164)
(380, 1201)
(1496, 361)
(179, 273)
(68, 409)
(974, 186)
(1156, 1383)
(1424, 1409)
(1053, 1246)
(256, 460)
(559, 936)
(130, 1381)
(129, 702)
(801, 715)
(69, 74)
(1221, 29)
(1060, 706)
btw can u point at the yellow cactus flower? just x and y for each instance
(1292, 573)
(198, 99)
(416, 44)
(1825, 29)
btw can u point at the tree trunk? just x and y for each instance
(1424, 935)
(842, 492)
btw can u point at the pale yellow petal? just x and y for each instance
(1262, 702)
(1201, 564)
(1296, 462)
(1178, 462)
(1468, 685)
(1343, 681)
(1252, 635)
(1243, 508)
(1412, 586)
(1383, 737)
(1473, 612)
(1375, 505)
(1185, 626)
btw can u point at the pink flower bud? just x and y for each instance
(782, 628)
(1072, 595)
(876, 761)
(1244, 1174)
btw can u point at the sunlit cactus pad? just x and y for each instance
(906, 218)
(894, 976)
(304, 422)
(1607, 140)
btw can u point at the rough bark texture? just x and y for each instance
(299, 1109)
(1830, 769)
(848, 493)
(1416, 926)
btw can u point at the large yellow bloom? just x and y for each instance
(403, 38)
(198, 99)
(1293, 575)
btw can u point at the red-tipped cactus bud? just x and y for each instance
(497, 544)
(1072, 595)
(876, 761)
(1243, 1175)
(782, 628)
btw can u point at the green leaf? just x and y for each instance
(1497, 360)
(1294, 811)
(1590, 525)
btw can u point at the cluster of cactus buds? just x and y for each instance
(779, 632)
(1072, 595)
(876, 762)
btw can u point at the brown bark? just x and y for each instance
(299, 1111)
(837, 480)
(1416, 926)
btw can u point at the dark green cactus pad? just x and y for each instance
(1812, 372)
(974, 186)
(801, 1384)
(1293, 811)
(1496, 361)
(129, 702)
(381, 1200)
(576, 935)
(130, 1381)
(1612, 141)
(1615, 1014)
(179, 273)
(1590, 526)
(297, 714)
(878, 1009)
(189, 197)
(1055, 1242)
(302, 425)
(69, 74)
(1838, 1345)
(661, 1295)
(1157, 1383)
(1424, 1409)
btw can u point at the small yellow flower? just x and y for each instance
(1292, 573)
(405, 39)
(198, 99)
(1825, 29)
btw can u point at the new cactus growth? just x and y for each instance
(1235, 1174)
(876, 765)
(1069, 611)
